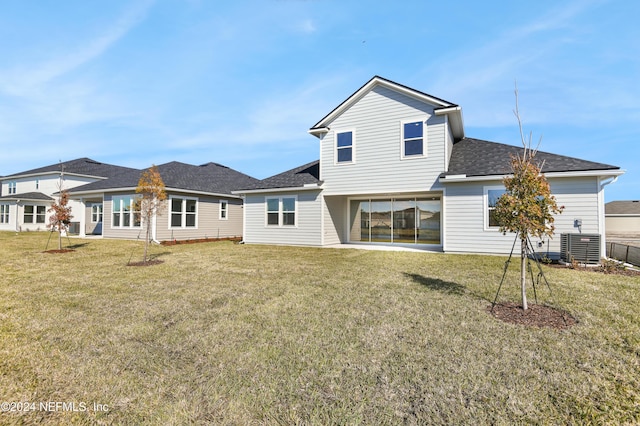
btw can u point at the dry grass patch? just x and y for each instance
(237, 334)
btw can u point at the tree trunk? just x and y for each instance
(59, 238)
(146, 242)
(523, 273)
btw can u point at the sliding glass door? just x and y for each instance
(396, 220)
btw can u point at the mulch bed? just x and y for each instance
(147, 263)
(199, 240)
(600, 269)
(535, 316)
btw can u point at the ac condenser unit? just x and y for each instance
(584, 248)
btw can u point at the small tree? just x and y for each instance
(151, 201)
(527, 208)
(61, 216)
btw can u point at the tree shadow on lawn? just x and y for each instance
(152, 259)
(445, 287)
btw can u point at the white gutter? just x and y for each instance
(586, 173)
(306, 187)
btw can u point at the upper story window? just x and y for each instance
(184, 212)
(224, 209)
(37, 183)
(13, 186)
(413, 139)
(344, 147)
(124, 213)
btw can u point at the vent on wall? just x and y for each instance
(583, 248)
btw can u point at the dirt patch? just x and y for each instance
(535, 316)
(147, 263)
(58, 251)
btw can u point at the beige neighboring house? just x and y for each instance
(623, 218)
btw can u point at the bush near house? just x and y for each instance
(250, 334)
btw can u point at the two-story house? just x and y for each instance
(396, 167)
(28, 195)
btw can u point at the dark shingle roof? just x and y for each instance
(35, 196)
(209, 177)
(475, 157)
(307, 174)
(623, 207)
(80, 166)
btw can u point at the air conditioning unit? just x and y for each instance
(584, 248)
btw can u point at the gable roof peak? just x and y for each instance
(441, 106)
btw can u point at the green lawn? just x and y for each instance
(236, 334)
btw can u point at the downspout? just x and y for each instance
(17, 205)
(601, 217)
(154, 229)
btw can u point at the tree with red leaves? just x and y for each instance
(61, 216)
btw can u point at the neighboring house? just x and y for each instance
(623, 218)
(397, 168)
(199, 204)
(27, 196)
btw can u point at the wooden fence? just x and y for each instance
(624, 253)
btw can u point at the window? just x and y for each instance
(344, 147)
(4, 213)
(96, 213)
(396, 220)
(281, 211)
(492, 194)
(413, 139)
(183, 212)
(41, 214)
(13, 186)
(34, 214)
(124, 215)
(37, 183)
(224, 208)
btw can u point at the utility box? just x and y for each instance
(584, 248)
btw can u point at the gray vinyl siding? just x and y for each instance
(209, 224)
(335, 215)
(464, 206)
(308, 229)
(376, 120)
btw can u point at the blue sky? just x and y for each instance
(137, 83)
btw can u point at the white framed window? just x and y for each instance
(34, 214)
(13, 187)
(123, 212)
(491, 195)
(184, 212)
(345, 147)
(4, 213)
(224, 210)
(414, 140)
(281, 211)
(37, 183)
(96, 213)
